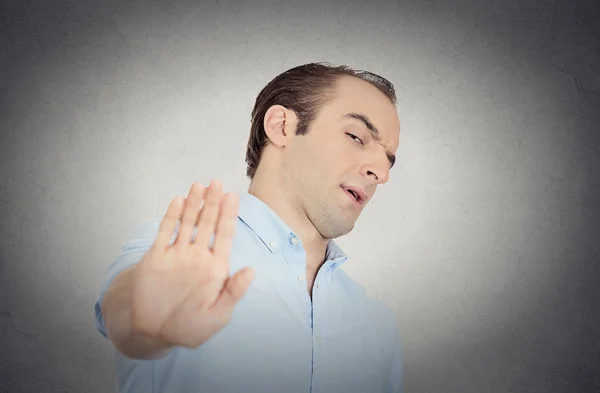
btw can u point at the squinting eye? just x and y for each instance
(354, 136)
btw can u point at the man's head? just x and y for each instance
(318, 130)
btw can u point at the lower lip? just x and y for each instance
(356, 203)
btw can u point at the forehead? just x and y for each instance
(354, 95)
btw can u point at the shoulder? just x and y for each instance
(357, 294)
(349, 286)
(375, 316)
(143, 233)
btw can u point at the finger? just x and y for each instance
(234, 289)
(168, 223)
(209, 214)
(190, 214)
(226, 228)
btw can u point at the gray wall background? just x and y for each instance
(485, 242)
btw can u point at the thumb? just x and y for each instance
(235, 288)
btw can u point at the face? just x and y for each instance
(339, 151)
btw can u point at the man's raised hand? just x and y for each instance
(182, 293)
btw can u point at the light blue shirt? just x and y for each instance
(278, 340)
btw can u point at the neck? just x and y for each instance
(292, 213)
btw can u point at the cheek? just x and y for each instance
(325, 160)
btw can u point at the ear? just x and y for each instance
(280, 125)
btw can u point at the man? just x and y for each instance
(228, 294)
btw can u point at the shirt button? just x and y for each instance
(295, 241)
(273, 244)
(301, 277)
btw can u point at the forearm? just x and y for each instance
(116, 308)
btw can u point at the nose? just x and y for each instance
(378, 168)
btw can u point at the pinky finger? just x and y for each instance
(169, 222)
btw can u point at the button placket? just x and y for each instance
(317, 314)
(295, 257)
(295, 242)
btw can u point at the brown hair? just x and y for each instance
(303, 89)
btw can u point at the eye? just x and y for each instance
(355, 138)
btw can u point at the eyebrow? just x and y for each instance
(374, 131)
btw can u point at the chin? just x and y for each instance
(340, 229)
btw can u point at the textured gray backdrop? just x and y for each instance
(485, 242)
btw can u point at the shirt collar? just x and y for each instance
(273, 231)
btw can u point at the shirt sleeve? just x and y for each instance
(139, 242)
(396, 381)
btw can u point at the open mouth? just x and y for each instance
(353, 195)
